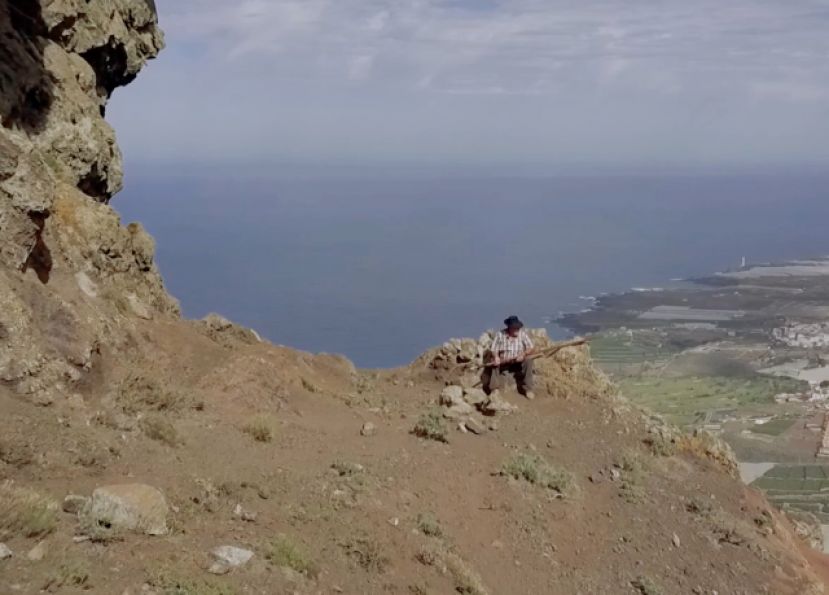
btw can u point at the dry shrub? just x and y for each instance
(534, 469)
(168, 583)
(72, 573)
(25, 512)
(706, 446)
(429, 525)
(158, 428)
(283, 552)
(137, 393)
(260, 428)
(448, 562)
(368, 554)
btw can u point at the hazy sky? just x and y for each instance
(549, 82)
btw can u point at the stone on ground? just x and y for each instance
(5, 552)
(451, 395)
(368, 429)
(495, 404)
(227, 557)
(458, 411)
(474, 426)
(131, 507)
(474, 396)
(37, 553)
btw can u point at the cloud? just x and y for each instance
(512, 44)
(558, 79)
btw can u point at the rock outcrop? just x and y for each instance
(71, 277)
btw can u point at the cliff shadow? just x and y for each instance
(26, 88)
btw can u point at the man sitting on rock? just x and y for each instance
(508, 354)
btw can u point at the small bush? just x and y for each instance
(446, 561)
(169, 584)
(432, 427)
(260, 428)
(429, 525)
(68, 574)
(137, 393)
(25, 512)
(158, 428)
(534, 469)
(368, 554)
(283, 552)
(646, 586)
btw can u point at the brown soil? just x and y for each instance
(353, 505)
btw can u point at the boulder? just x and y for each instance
(130, 507)
(495, 404)
(475, 396)
(5, 552)
(228, 557)
(473, 425)
(459, 411)
(451, 395)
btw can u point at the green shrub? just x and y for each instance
(283, 552)
(534, 469)
(429, 525)
(158, 428)
(432, 427)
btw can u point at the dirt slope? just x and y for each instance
(359, 509)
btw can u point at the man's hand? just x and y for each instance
(496, 361)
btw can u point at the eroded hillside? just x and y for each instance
(143, 453)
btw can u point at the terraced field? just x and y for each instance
(616, 351)
(683, 400)
(798, 487)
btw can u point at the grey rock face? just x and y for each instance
(59, 166)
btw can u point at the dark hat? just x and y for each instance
(513, 321)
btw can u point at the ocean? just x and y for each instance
(381, 266)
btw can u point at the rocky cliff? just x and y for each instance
(143, 453)
(62, 249)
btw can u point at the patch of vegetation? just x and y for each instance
(137, 393)
(346, 469)
(646, 586)
(25, 512)
(429, 525)
(367, 553)
(700, 506)
(309, 386)
(432, 426)
(170, 584)
(283, 552)
(534, 469)
(661, 443)
(634, 465)
(158, 428)
(466, 580)
(68, 574)
(260, 428)
(16, 453)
